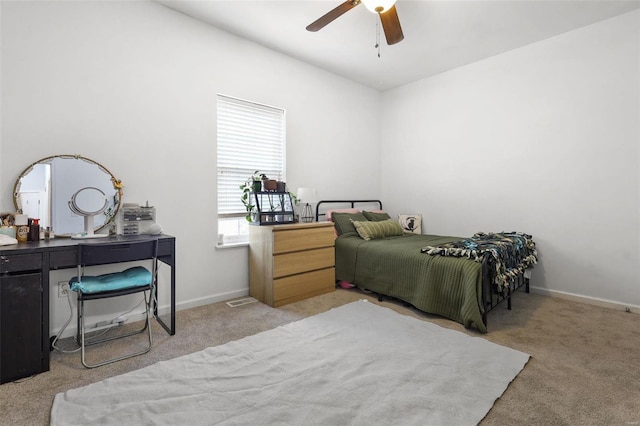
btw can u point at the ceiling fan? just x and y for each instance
(386, 9)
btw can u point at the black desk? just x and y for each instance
(24, 298)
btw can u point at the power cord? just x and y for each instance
(102, 333)
(64, 327)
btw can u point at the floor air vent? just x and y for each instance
(240, 302)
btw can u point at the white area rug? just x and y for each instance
(357, 364)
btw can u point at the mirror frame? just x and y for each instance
(117, 184)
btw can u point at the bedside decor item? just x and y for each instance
(411, 223)
(271, 208)
(306, 196)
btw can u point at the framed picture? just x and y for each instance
(411, 223)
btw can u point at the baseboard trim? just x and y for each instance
(220, 297)
(586, 299)
(166, 309)
(201, 301)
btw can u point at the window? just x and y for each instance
(251, 137)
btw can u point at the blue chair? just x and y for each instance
(130, 281)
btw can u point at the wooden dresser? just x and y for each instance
(292, 262)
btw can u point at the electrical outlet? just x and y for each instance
(63, 289)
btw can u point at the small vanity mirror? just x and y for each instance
(46, 188)
(88, 202)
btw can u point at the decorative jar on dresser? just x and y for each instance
(291, 262)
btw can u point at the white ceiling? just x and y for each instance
(439, 35)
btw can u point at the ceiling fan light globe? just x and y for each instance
(378, 6)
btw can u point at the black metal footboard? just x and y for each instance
(491, 296)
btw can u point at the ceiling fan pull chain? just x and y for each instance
(378, 36)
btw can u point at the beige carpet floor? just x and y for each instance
(584, 370)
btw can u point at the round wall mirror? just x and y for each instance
(43, 191)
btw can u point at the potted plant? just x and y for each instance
(270, 184)
(252, 184)
(110, 223)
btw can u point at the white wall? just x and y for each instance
(133, 86)
(543, 139)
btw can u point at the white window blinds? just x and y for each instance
(251, 137)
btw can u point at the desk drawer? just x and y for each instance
(101, 254)
(166, 247)
(20, 262)
(63, 258)
(68, 258)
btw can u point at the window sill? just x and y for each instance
(232, 245)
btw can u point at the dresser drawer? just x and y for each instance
(303, 261)
(302, 239)
(20, 262)
(298, 287)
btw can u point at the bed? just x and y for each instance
(431, 272)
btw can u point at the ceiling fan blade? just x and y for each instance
(333, 14)
(391, 26)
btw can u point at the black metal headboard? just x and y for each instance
(352, 203)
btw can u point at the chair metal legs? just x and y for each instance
(83, 341)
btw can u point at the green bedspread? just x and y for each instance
(394, 266)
